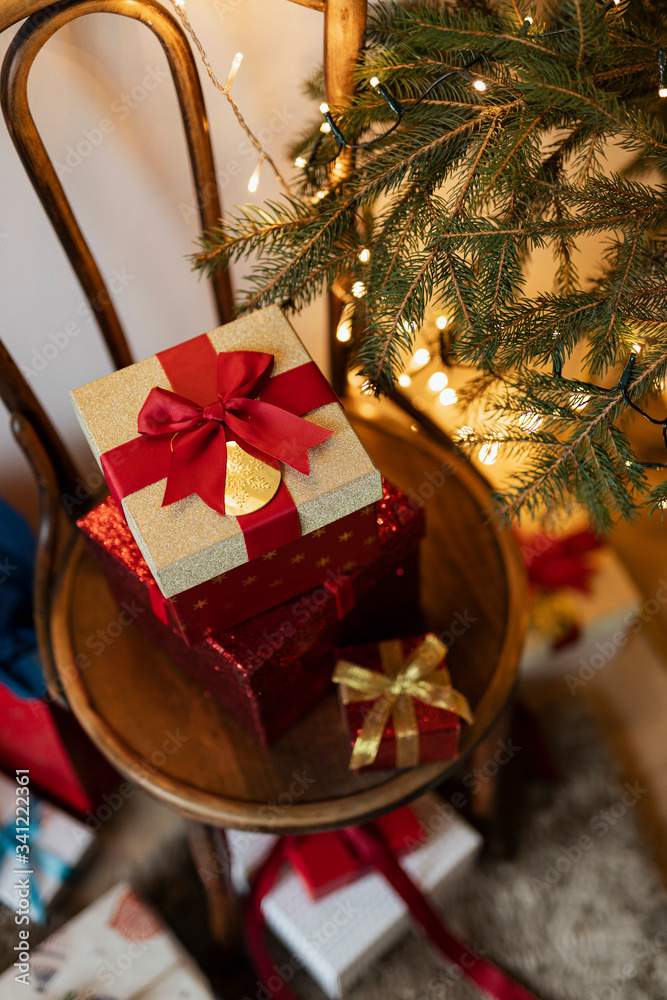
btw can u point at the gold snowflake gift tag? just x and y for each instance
(250, 483)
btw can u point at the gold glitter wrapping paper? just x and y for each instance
(187, 543)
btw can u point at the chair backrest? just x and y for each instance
(55, 471)
(25, 46)
(53, 466)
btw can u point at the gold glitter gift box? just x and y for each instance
(211, 570)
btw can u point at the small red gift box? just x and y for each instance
(398, 703)
(325, 863)
(268, 672)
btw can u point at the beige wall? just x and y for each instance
(107, 112)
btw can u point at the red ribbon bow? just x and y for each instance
(200, 433)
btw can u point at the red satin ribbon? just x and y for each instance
(193, 461)
(199, 434)
(370, 849)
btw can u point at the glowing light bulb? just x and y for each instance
(441, 322)
(447, 397)
(344, 331)
(488, 453)
(636, 348)
(253, 183)
(437, 381)
(530, 421)
(365, 256)
(421, 357)
(479, 85)
(404, 380)
(663, 504)
(374, 82)
(529, 19)
(578, 401)
(325, 127)
(662, 92)
(324, 108)
(300, 162)
(358, 289)
(318, 196)
(233, 70)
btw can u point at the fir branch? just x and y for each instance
(455, 198)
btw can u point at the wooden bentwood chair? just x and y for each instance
(131, 694)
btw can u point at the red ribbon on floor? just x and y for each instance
(184, 432)
(365, 842)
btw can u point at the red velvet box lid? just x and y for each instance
(325, 863)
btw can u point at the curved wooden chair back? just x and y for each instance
(56, 474)
(53, 466)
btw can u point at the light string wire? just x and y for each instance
(400, 111)
(622, 384)
(329, 126)
(225, 91)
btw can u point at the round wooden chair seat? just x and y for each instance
(161, 731)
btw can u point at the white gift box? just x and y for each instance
(606, 616)
(118, 949)
(338, 937)
(247, 851)
(56, 843)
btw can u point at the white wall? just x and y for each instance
(131, 190)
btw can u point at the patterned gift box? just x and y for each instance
(340, 936)
(118, 948)
(188, 543)
(268, 672)
(52, 844)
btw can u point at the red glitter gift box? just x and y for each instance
(375, 707)
(268, 672)
(247, 591)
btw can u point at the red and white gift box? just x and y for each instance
(118, 948)
(338, 937)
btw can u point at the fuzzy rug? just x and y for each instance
(580, 913)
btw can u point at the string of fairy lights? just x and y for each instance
(329, 126)
(438, 381)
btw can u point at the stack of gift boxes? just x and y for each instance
(271, 559)
(247, 517)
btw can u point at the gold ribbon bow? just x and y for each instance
(393, 693)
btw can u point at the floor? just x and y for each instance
(628, 689)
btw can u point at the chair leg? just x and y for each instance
(210, 852)
(496, 789)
